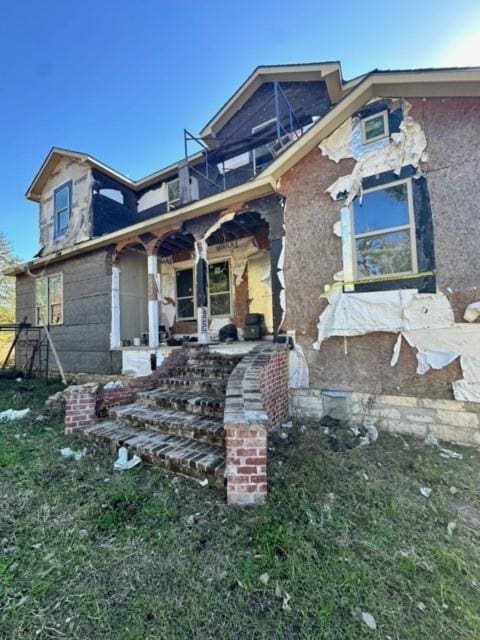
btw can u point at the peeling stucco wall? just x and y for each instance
(80, 225)
(314, 254)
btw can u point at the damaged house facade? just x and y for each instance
(343, 213)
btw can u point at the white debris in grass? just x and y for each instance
(122, 462)
(264, 578)
(426, 492)
(70, 453)
(451, 526)
(449, 454)
(369, 620)
(113, 384)
(13, 414)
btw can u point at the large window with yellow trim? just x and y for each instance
(384, 231)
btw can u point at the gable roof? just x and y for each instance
(328, 71)
(447, 82)
(56, 153)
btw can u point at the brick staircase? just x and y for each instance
(179, 424)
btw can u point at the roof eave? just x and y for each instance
(260, 187)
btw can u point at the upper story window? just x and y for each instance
(384, 231)
(375, 127)
(62, 207)
(173, 193)
(49, 300)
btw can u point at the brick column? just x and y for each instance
(246, 464)
(80, 404)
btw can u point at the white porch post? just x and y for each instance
(153, 292)
(115, 321)
(201, 267)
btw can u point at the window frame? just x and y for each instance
(48, 302)
(222, 293)
(193, 296)
(386, 127)
(59, 233)
(230, 290)
(173, 204)
(410, 227)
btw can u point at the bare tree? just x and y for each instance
(7, 284)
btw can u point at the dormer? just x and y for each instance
(79, 198)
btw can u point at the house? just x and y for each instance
(344, 212)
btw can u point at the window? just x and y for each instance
(219, 288)
(49, 300)
(173, 193)
(384, 231)
(185, 299)
(62, 206)
(375, 127)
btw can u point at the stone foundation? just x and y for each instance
(451, 420)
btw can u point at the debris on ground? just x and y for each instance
(369, 620)
(449, 454)
(41, 418)
(287, 425)
(13, 414)
(286, 600)
(113, 384)
(451, 526)
(342, 436)
(203, 483)
(122, 462)
(426, 492)
(70, 453)
(264, 578)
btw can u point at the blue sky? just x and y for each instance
(121, 79)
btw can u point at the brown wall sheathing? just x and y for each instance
(314, 253)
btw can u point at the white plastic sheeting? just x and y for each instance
(112, 194)
(297, 369)
(355, 314)
(405, 147)
(426, 321)
(152, 197)
(437, 349)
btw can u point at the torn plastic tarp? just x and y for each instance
(354, 314)
(407, 147)
(437, 349)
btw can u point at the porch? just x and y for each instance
(186, 284)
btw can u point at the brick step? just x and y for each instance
(211, 358)
(204, 370)
(190, 401)
(180, 455)
(189, 383)
(167, 420)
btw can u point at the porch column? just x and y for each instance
(278, 291)
(153, 292)
(201, 268)
(115, 318)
